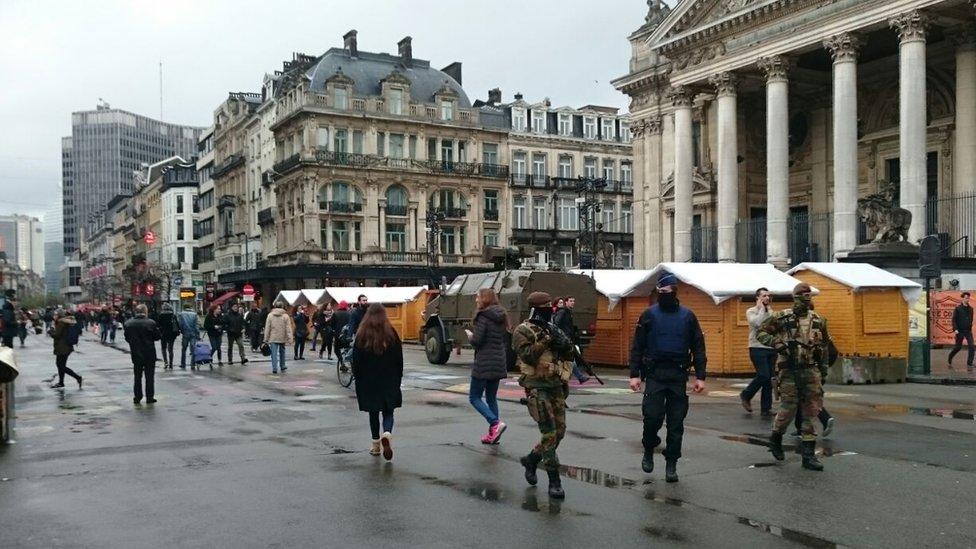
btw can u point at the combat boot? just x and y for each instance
(530, 462)
(810, 461)
(671, 470)
(555, 485)
(647, 462)
(776, 446)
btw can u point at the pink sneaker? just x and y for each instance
(486, 439)
(495, 433)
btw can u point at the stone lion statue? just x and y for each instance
(878, 211)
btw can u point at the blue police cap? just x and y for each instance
(667, 279)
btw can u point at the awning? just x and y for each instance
(220, 300)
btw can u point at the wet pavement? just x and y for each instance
(238, 457)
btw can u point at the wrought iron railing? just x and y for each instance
(287, 164)
(229, 164)
(953, 219)
(810, 237)
(344, 207)
(704, 244)
(396, 209)
(751, 240)
(452, 213)
(491, 215)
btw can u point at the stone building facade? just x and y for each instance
(371, 151)
(759, 123)
(549, 150)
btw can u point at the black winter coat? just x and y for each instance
(214, 325)
(962, 319)
(378, 378)
(301, 324)
(142, 334)
(488, 339)
(168, 326)
(234, 323)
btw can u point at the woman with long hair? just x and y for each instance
(489, 368)
(377, 364)
(324, 325)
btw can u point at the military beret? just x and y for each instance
(539, 299)
(802, 288)
(667, 279)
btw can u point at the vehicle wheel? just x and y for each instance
(434, 346)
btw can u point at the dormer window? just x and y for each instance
(539, 121)
(565, 124)
(341, 98)
(518, 120)
(607, 130)
(589, 127)
(447, 109)
(625, 132)
(396, 101)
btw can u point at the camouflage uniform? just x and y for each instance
(799, 386)
(546, 364)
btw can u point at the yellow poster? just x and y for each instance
(916, 317)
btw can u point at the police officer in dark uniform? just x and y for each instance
(668, 340)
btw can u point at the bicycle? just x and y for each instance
(343, 370)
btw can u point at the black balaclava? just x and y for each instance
(668, 301)
(543, 314)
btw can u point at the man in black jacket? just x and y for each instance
(142, 333)
(234, 326)
(668, 339)
(255, 326)
(9, 319)
(962, 325)
(169, 328)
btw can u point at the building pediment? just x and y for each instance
(702, 183)
(694, 15)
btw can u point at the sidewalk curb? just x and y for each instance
(927, 380)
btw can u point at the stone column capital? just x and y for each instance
(681, 96)
(776, 68)
(911, 26)
(964, 37)
(725, 83)
(843, 47)
(654, 125)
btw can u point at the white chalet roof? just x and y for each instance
(861, 276)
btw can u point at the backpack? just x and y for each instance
(74, 333)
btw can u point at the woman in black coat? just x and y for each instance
(488, 340)
(377, 364)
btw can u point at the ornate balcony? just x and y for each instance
(345, 207)
(265, 217)
(491, 215)
(396, 209)
(232, 161)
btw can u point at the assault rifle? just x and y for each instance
(562, 341)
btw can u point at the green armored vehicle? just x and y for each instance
(449, 314)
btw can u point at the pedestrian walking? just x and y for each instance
(118, 318)
(545, 359)
(362, 302)
(278, 332)
(169, 328)
(317, 325)
(142, 333)
(301, 332)
(325, 327)
(800, 337)
(563, 319)
(65, 334)
(962, 326)
(190, 334)
(213, 324)
(377, 365)
(763, 358)
(489, 368)
(104, 319)
(48, 318)
(668, 341)
(255, 326)
(8, 326)
(23, 321)
(234, 326)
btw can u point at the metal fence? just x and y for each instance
(704, 244)
(953, 219)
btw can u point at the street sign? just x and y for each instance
(188, 293)
(247, 298)
(150, 237)
(248, 291)
(150, 289)
(930, 257)
(177, 280)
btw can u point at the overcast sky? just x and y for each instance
(57, 57)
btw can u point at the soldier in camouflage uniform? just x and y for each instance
(545, 360)
(800, 337)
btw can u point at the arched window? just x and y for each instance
(345, 198)
(396, 200)
(323, 197)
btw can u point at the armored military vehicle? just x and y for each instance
(449, 314)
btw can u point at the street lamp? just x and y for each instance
(433, 228)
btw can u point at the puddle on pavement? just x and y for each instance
(597, 477)
(277, 415)
(948, 413)
(586, 436)
(441, 403)
(664, 533)
(807, 540)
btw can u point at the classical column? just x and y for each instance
(728, 165)
(651, 195)
(681, 99)
(964, 159)
(843, 48)
(912, 123)
(777, 158)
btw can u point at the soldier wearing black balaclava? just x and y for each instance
(667, 341)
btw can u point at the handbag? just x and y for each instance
(265, 349)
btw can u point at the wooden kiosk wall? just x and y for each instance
(869, 322)
(725, 327)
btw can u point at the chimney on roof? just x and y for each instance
(454, 71)
(518, 96)
(406, 50)
(494, 96)
(349, 42)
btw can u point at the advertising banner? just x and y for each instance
(943, 304)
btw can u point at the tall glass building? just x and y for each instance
(105, 147)
(53, 249)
